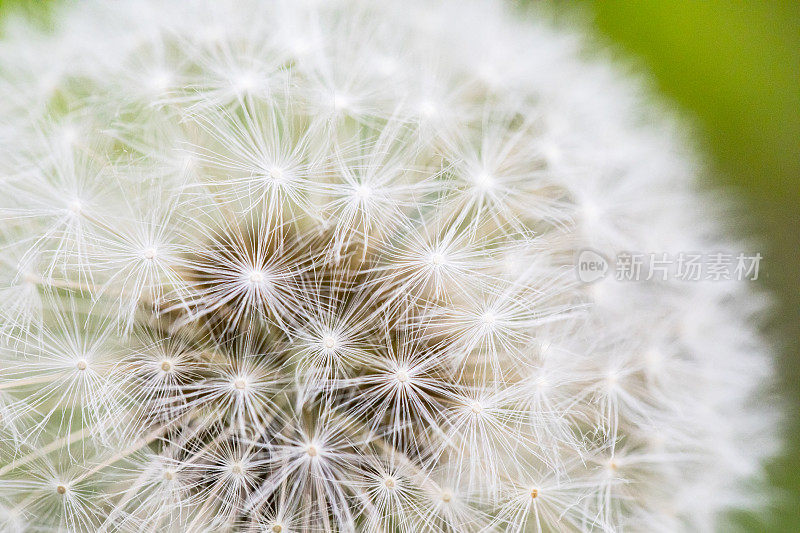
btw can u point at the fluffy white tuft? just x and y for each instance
(296, 266)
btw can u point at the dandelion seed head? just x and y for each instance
(484, 182)
(341, 102)
(308, 266)
(386, 65)
(437, 259)
(276, 174)
(256, 277)
(362, 192)
(159, 80)
(489, 319)
(428, 109)
(330, 342)
(150, 253)
(402, 376)
(246, 82)
(476, 408)
(69, 134)
(75, 207)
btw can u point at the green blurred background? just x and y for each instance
(733, 69)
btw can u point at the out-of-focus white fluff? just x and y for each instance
(306, 266)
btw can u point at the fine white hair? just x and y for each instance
(309, 266)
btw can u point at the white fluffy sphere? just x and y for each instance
(310, 266)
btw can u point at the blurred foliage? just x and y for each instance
(733, 66)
